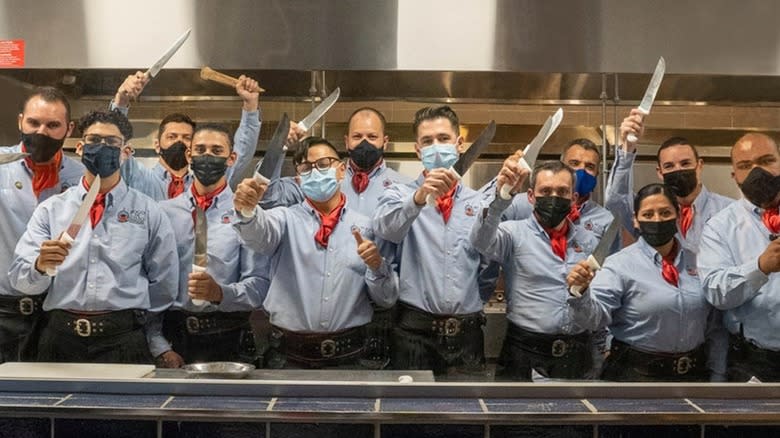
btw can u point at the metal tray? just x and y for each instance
(219, 370)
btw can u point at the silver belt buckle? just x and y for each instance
(83, 327)
(26, 306)
(559, 348)
(193, 324)
(328, 348)
(683, 365)
(451, 326)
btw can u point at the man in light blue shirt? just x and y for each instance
(209, 321)
(117, 268)
(325, 266)
(739, 260)
(44, 123)
(537, 254)
(679, 165)
(171, 176)
(440, 311)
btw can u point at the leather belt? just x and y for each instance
(660, 364)
(411, 318)
(24, 306)
(209, 323)
(101, 325)
(315, 347)
(544, 344)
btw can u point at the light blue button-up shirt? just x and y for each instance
(315, 289)
(630, 296)
(285, 191)
(154, 181)
(239, 271)
(439, 266)
(126, 262)
(620, 201)
(17, 203)
(535, 277)
(731, 243)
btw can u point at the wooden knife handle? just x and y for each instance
(209, 74)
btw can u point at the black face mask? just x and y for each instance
(175, 155)
(551, 210)
(208, 169)
(683, 182)
(100, 159)
(41, 148)
(760, 187)
(658, 233)
(366, 155)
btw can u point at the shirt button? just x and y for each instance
(324, 323)
(91, 285)
(327, 298)
(327, 274)
(93, 261)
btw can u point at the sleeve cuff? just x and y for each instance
(380, 273)
(753, 275)
(410, 208)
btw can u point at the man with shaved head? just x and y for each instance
(739, 260)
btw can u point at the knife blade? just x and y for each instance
(157, 66)
(468, 158)
(73, 229)
(316, 114)
(13, 156)
(200, 256)
(600, 253)
(652, 89)
(273, 155)
(531, 152)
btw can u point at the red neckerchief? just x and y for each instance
(328, 222)
(205, 201)
(445, 202)
(668, 269)
(360, 177)
(176, 186)
(45, 176)
(686, 218)
(575, 213)
(772, 220)
(558, 239)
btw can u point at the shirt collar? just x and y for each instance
(316, 214)
(225, 193)
(655, 256)
(376, 170)
(118, 192)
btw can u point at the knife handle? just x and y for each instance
(209, 74)
(51, 272)
(594, 266)
(197, 302)
(505, 191)
(632, 138)
(430, 200)
(262, 180)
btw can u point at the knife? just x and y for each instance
(78, 219)
(468, 158)
(200, 257)
(602, 250)
(273, 155)
(307, 122)
(13, 156)
(652, 89)
(531, 152)
(157, 66)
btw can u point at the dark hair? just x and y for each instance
(435, 112)
(554, 167)
(114, 117)
(655, 189)
(675, 141)
(368, 109)
(215, 127)
(174, 118)
(302, 151)
(50, 95)
(583, 143)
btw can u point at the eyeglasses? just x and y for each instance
(324, 163)
(110, 140)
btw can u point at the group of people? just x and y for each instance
(353, 265)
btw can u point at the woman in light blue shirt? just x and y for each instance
(650, 296)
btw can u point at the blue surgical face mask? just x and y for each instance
(439, 156)
(585, 183)
(100, 159)
(320, 185)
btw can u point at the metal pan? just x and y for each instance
(219, 370)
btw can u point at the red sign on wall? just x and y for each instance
(11, 53)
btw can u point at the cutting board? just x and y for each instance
(86, 371)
